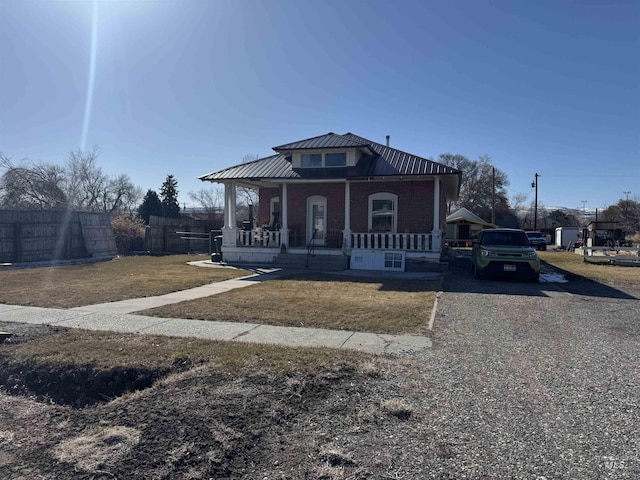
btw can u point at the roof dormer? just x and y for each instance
(326, 151)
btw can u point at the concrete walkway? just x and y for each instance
(138, 304)
(118, 317)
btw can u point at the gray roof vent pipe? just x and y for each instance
(388, 136)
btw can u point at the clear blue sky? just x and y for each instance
(191, 86)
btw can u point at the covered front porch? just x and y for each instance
(322, 235)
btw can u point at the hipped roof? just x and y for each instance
(377, 161)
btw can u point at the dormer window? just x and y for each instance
(311, 160)
(335, 159)
(320, 160)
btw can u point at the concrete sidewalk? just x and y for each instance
(144, 303)
(117, 317)
(228, 331)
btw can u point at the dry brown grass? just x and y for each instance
(118, 279)
(319, 300)
(396, 408)
(108, 350)
(97, 448)
(600, 272)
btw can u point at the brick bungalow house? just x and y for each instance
(344, 198)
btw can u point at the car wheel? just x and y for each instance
(535, 278)
(544, 248)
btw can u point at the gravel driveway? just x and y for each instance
(534, 381)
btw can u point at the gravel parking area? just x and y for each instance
(533, 381)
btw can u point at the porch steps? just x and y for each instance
(333, 263)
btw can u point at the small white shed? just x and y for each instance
(566, 235)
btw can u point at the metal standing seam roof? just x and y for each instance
(274, 166)
(329, 140)
(392, 161)
(383, 161)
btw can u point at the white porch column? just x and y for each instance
(284, 221)
(346, 242)
(436, 233)
(229, 230)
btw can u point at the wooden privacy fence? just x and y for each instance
(43, 235)
(180, 235)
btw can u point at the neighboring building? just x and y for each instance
(463, 226)
(602, 234)
(566, 236)
(344, 196)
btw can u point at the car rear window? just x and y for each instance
(515, 239)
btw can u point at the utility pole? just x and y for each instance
(535, 211)
(627, 194)
(493, 196)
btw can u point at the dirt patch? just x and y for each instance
(338, 421)
(25, 332)
(65, 383)
(73, 385)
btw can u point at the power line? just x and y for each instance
(594, 175)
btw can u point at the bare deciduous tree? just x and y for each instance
(85, 180)
(31, 185)
(477, 185)
(247, 196)
(211, 201)
(80, 184)
(626, 213)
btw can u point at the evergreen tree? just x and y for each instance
(169, 196)
(151, 205)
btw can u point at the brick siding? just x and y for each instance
(415, 204)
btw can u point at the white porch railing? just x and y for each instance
(393, 241)
(259, 238)
(421, 242)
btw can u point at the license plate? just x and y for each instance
(509, 268)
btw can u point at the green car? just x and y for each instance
(505, 252)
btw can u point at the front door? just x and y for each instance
(316, 219)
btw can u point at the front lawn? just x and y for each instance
(599, 272)
(319, 300)
(118, 279)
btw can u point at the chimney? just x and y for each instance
(388, 140)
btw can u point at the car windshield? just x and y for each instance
(514, 239)
(534, 234)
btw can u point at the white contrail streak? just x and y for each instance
(92, 73)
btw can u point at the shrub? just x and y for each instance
(129, 231)
(635, 238)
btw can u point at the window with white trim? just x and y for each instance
(393, 260)
(383, 213)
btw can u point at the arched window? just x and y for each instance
(383, 212)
